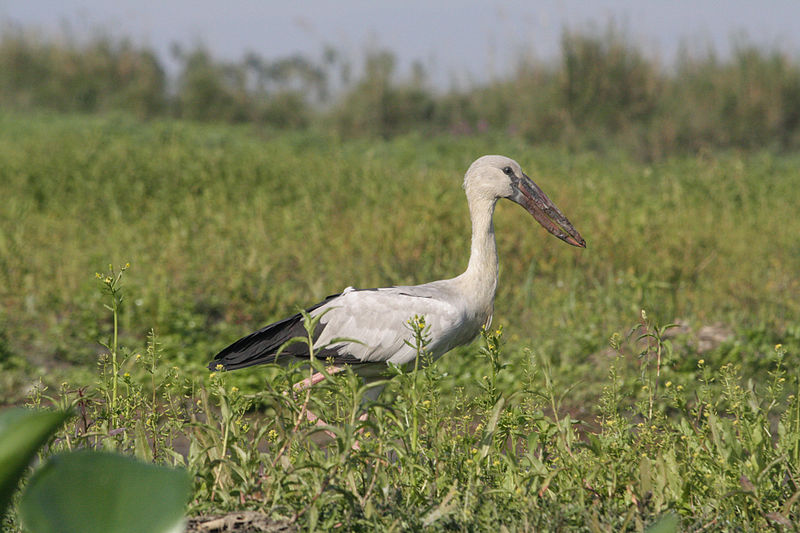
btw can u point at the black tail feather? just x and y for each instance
(261, 347)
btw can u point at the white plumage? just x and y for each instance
(371, 317)
(455, 309)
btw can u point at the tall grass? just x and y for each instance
(584, 413)
(717, 455)
(102, 75)
(602, 92)
(235, 230)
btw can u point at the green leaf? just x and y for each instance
(94, 492)
(645, 476)
(491, 427)
(22, 433)
(668, 523)
(141, 445)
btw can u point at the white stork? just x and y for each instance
(455, 309)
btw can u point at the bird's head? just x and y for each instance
(497, 176)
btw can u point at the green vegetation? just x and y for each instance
(22, 433)
(567, 421)
(602, 92)
(98, 492)
(84, 491)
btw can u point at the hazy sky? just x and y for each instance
(455, 40)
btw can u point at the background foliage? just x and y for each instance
(602, 92)
(586, 413)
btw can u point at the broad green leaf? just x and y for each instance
(98, 492)
(22, 433)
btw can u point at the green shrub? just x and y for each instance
(603, 93)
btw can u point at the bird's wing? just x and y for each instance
(262, 346)
(357, 327)
(377, 322)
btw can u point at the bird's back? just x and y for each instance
(364, 327)
(377, 321)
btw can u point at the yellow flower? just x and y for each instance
(668, 384)
(778, 347)
(212, 375)
(219, 367)
(679, 387)
(126, 375)
(701, 362)
(234, 389)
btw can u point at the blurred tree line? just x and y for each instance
(602, 91)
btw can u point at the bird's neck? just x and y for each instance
(482, 270)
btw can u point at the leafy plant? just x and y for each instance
(84, 491)
(562, 432)
(90, 492)
(22, 433)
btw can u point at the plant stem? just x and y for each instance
(222, 457)
(115, 370)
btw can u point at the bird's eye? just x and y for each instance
(508, 171)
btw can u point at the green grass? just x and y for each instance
(228, 228)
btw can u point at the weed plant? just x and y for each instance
(723, 456)
(229, 230)
(546, 425)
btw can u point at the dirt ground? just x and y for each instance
(240, 522)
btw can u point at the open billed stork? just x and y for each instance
(375, 321)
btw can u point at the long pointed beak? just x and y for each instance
(535, 201)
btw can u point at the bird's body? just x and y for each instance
(369, 328)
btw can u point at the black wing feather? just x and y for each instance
(261, 347)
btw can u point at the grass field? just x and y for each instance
(565, 422)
